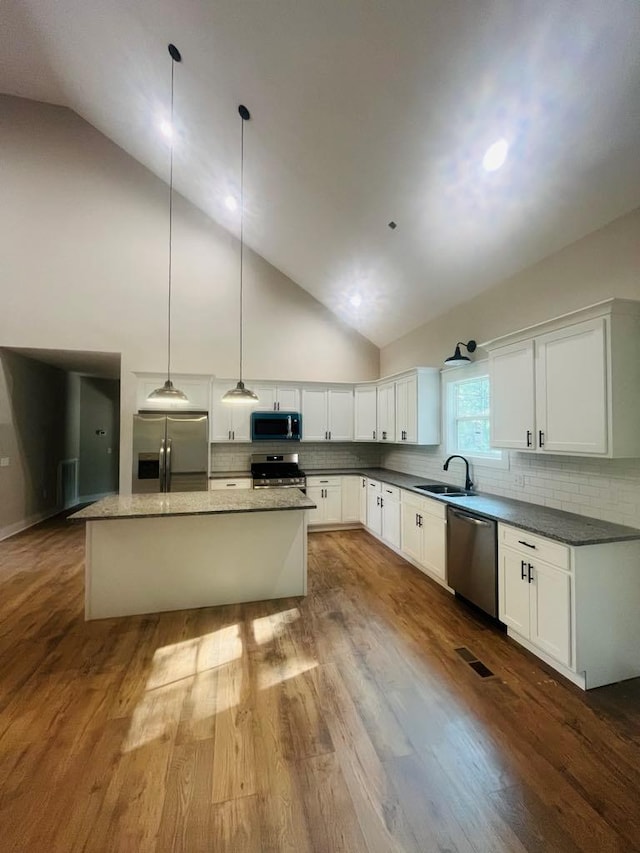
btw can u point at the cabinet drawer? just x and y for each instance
(532, 545)
(324, 481)
(391, 492)
(374, 485)
(232, 483)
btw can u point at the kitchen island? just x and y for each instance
(149, 553)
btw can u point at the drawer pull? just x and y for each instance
(526, 544)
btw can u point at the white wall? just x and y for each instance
(83, 242)
(603, 264)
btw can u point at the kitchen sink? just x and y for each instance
(439, 489)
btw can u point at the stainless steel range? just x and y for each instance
(277, 471)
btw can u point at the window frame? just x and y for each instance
(450, 377)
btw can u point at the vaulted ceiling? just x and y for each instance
(363, 112)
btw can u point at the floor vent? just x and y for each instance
(476, 665)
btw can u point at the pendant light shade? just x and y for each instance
(240, 394)
(457, 359)
(168, 393)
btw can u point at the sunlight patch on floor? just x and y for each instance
(267, 628)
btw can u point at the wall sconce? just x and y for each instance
(459, 360)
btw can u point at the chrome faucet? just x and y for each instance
(467, 480)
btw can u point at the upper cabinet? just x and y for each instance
(228, 422)
(366, 413)
(197, 389)
(327, 414)
(417, 407)
(387, 411)
(570, 386)
(276, 398)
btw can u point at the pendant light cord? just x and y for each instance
(170, 230)
(241, 230)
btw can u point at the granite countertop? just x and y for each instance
(566, 527)
(194, 503)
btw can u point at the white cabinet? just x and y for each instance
(424, 533)
(409, 407)
(390, 505)
(351, 499)
(365, 413)
(534, 595)
(571, 385)
(362, 500)
(326, 493)
(275, 397)
(571, 389)
(230, 484)
(374, 507)
(513, 396)
(197, 389)
(327, 414)
(383, 511)
(386, 411)
(228, 422)
(575, 607)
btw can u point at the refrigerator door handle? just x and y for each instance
(163, 466)
(168, 465)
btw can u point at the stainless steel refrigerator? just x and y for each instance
(170, 452)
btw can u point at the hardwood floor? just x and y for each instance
(344, 721)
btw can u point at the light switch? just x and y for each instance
(4, 462)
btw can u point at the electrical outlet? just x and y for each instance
(4, 462)
(518, 480)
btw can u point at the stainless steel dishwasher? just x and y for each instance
(472, 558)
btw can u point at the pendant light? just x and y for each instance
(168, 392)
(240, 394)
(457, 359)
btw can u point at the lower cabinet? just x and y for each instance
(383, 512)
(218, 485)
(424, 533)
(362, 489)
(534, 594)
(326, 492)
(351, 499)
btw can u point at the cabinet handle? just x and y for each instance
(364, 483)
(523, 574)
(530, 572)
(377, 501)
(529, 437)
(329, 435)
(381, 502)
(374, 435)
(229, 485)
(526, 544)
(324, 481)
(541, 438)
(419, 521)
(384, 435)
(417, 517)
(229, 435)
(278, 406)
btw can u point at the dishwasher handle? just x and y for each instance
(471, 519)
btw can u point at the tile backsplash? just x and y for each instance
(601, 488)
(237, 457)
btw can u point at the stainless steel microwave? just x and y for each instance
(276, 426)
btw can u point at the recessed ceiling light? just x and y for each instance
(166, 129)
(495, 155)
(231, 202)
(356, 300)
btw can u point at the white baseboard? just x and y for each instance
(25, 523)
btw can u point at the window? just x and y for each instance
(467, 408)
